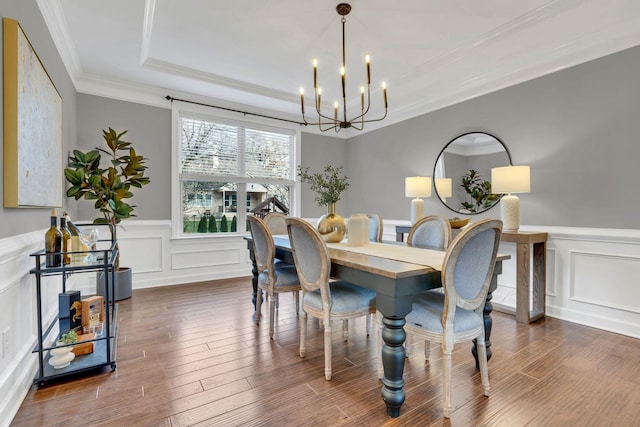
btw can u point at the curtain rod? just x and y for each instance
(171, 98)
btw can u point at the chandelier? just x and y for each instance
(336, 123)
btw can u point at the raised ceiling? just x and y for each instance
(256, 54)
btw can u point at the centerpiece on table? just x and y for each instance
(328, 187)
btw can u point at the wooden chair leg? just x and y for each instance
(484, 368)
(327, 351)
(407, 345)
(369, 324)
(427, 349)
(345, 330)
(296, 295)
(303, 332)
(272, 313)
(446, 381)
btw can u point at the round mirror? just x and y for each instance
(462, 175)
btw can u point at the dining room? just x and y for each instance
(565, 314)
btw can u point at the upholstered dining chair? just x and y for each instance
(273, 278)
(321, 298)
(456, 315)
(375, 228)
(276, 223)
(431, 232)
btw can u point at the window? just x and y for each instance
(219, 161)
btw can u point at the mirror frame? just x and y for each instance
(442, 152)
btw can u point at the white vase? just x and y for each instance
(61, 357)
(358, 230)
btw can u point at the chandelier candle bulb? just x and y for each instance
(335, 110)
(384, 93)
(319, 106)
(368, 62)
(362, 98)
(315, 73)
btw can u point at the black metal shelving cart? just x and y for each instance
(104, 353)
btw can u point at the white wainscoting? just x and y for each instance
(592, 277)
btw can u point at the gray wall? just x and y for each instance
(576, 129)
(317, 152)
(16, 221)
(149, 131)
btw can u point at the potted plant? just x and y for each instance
(328, 186)
(479, 190)
(109, 187)
(61, 355)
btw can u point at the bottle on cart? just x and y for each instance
(53, 243)
(66, 242)
(76, 244)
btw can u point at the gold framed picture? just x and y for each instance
(32, 126)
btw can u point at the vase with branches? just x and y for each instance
(328, 186)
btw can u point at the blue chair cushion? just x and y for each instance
(286, 275)
(345, 298)
(427, 314)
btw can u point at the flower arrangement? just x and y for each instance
(328, 185)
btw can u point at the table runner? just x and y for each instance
(427, 257)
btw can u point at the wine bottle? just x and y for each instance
(53, 243)
(66, 242)
(76, 244)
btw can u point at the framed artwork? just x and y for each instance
(33, 165)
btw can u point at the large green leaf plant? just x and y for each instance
(110, 187)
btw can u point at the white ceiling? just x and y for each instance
(257, 53)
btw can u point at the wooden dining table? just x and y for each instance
(396, 273)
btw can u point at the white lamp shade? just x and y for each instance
(417, 186)
(511, 179)
(443, 187)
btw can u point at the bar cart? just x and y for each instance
(104, 353)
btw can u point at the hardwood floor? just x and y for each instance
(191, 355)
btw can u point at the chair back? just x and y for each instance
(276, 223)
(310, 256)
(468, 266)
(375, 228)
(430, 232)
(263, 247)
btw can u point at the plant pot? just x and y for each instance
(121, 288)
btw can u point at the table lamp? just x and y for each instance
(443, 188)
(417, 186)
(508, 180)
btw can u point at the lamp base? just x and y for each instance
(510, 212)
(417, 207)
